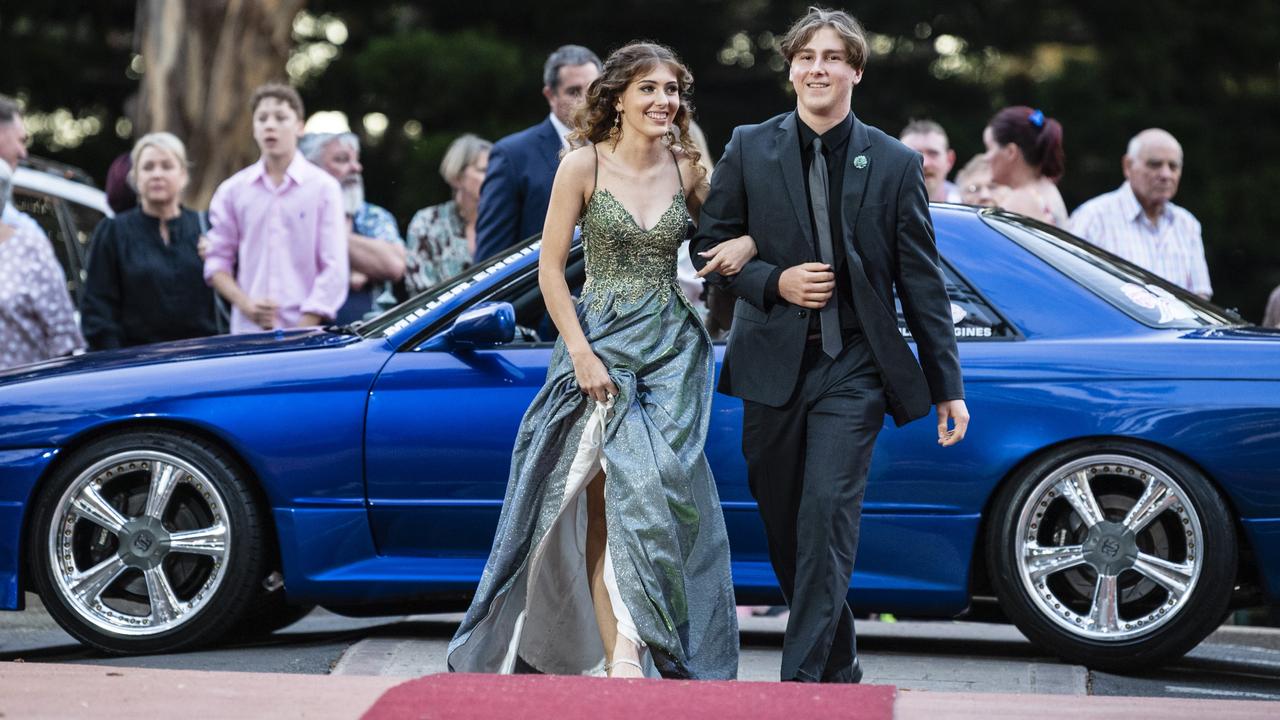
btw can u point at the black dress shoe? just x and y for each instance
(852, 675)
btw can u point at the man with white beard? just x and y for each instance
(376, 248)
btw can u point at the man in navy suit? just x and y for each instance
(517, 185)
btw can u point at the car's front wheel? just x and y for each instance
(1114, 555)
(147, 542)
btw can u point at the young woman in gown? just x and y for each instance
(611, 554)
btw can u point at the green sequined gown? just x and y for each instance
(667, 563)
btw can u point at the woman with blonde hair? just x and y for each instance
(442, 238)
(611, 553)
(146, 281)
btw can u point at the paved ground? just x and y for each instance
(35, 691)
(1235, 663)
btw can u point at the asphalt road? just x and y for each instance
(1235, 663)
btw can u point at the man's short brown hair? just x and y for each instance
(849, 30)
(924, 126)
(284, 93)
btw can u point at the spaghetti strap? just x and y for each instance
(595, 182)
(678, 175)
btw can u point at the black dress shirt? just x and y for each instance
(140, 290)
(835, 144)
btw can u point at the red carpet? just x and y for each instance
(460, 696)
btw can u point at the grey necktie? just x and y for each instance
(828, 316)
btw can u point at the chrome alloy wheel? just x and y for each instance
(139, 542)
(1108, 547)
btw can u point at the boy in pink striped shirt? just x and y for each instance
(277, 246)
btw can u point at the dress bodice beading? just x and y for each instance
(624, 262)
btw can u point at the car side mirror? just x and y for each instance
(483, 326)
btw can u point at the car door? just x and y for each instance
(439, 433)
(441, 426)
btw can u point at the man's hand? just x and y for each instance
(358, 280)
(955, 411)
(261, 311)
(809, 285)
(729, 257)
(310, 320)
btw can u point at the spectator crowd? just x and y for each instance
(292, 240)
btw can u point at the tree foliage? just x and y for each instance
(1206, 71)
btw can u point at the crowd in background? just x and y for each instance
(292, 241)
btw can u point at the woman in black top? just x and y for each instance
(146, 280)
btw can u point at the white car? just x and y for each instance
(68, 207)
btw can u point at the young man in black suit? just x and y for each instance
(839, 213)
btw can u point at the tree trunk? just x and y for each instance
(202, 61)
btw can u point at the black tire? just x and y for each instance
(269, 612)
(217, 486)
(1137, 646)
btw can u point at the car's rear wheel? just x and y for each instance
(1113, 555)
(270, 611)
(147, 542)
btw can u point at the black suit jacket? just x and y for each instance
(758, 189)
(517, 188)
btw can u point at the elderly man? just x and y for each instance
(13, 149)
(377, 251)
(1139, 221)
(930, 140)
(517, 184)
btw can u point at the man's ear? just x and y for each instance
(1126, 164)
(549, 94)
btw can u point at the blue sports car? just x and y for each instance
(1118, 492)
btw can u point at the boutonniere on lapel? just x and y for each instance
(860, 162)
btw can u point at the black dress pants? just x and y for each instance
(807, 465)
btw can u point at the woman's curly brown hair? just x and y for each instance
(594, 120)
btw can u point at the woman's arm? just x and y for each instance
(568, 194)
(729, 257)
(696, 185)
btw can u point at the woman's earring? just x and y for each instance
(616, 131)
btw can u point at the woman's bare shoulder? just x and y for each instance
(579, 160)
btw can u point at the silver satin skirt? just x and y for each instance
(667, 560)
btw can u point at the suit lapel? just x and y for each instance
(855, 186)
(788, 139)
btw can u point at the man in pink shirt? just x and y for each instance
(277, 247)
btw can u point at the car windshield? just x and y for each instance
(405, 313)
(1144, 296)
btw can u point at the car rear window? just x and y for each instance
(1144, 296)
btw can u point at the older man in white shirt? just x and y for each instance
(1139, 221)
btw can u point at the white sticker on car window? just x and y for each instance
(1153, 297)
